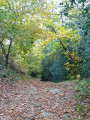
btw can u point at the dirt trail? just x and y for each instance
(36, 100)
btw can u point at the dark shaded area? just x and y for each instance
(54, 69)
(34, 74)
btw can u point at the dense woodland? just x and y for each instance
(49, 40)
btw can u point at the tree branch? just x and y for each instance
(10, 7)
(63, 45)
(66, 50)
(2, 47)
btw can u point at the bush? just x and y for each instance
(53, 68)
(8, 75)
(83, 89)
(82, 97)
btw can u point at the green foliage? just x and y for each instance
(82, 96)
(78, 18)
(8, 75)
(79, 108)
(83, 89)
(53, 68)
(74, 68)
(34, 64)
(20, 26)
(29, 23)
(67, 42)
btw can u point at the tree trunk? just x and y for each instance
(7, 58)
(7, 55)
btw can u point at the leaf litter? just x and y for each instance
(37, 100)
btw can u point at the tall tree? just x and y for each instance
(76, 15)
(17, 22)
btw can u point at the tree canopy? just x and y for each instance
(33, 36)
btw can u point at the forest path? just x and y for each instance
(37, 100)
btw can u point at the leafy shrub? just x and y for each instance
(82, 97)
(7, 74)
(53, 68)
(83, 89)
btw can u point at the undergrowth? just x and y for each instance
(83, 96)
(7, 74)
